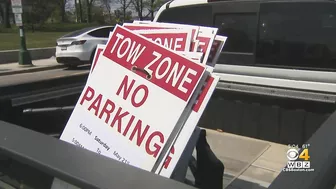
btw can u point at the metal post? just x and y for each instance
(24, 55)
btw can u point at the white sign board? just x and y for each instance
(16, 3)
(174, 39)
(202, 37)
(17, 10)
(133, 99)
(140, 85)
(185, 134)
(18, 19)
(16, 7)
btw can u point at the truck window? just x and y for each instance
(297, 35)
(241, 30)
(194, 15)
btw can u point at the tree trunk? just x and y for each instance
(76, 10)
(63, 13)
(88, 13)
(110, 15)
(7, 15)
(80, 11)
(2, 15)
(152, 9)
(124, 14)
(140, 10)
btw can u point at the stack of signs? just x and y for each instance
(147, 89)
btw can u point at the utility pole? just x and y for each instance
(24, 55)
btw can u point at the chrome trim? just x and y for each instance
(277, 92)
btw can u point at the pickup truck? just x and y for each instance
(277, 68)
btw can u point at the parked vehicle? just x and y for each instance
(269, 39)
(79, 46)
(277, 68)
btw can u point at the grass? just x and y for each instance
(44, 36)
(10, 41)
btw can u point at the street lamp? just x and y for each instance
(24, 55)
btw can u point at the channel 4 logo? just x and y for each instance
(298, 161)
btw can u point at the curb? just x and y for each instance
(36, 69)
(8, 56)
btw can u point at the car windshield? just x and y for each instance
(78, 32)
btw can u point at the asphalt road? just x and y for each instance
(41, 75)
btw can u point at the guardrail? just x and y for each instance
(74, 165)
(9, 56)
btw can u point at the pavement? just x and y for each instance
(44, 69)
(47, 74)
(38, 65)
(249, 163)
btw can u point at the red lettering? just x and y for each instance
(108, 108)
(124, 85)
(96, 104)
(169, 158)
(180, 79)
(140, 136)
(86, 95)
(144, 98)
(118, 117)
(127, 89)
(139, 133)
(157, 147)
(128, 125)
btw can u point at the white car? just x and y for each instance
(78, 47)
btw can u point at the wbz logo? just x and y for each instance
(298, 164)
(298, 161)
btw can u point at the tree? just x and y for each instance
(78, 6)
(125, 4)
(40, 10)
(139, 7)
(121, 17)
(5, 7)
(107, 5)
(61, 4)
(89, 4)
(154, 6)
(149, 7)
(1, 13)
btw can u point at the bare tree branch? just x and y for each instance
(107, 6)
(125, 5)
(144, 6)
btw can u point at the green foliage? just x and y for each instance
(97, 15)
(64, 27)
(55, 16)
(40, 11)
(50, 27)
